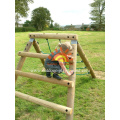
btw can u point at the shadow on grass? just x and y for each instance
(82, 80)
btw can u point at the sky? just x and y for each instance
(64, 12)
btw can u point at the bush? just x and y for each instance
(54, 28)
(87, 29)
(18, 29)
(24, 29)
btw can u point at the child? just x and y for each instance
(56, 61)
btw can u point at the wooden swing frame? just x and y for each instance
(70, 83)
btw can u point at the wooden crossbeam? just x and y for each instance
(47, 104)
(54, 36)
(34, 55)
(44, 78)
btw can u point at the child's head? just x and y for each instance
(65, 46)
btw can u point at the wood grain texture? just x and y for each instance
(47, 104)
(44, 78)
(33, 55)
(36, 55)
(22, 59)
(37, 48)
(85, 60)
(71, 91)
(54, 36)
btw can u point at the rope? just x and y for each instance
(43, 52)
(67, 62)
(48, 45)
(79, 61)
(80, 68)
(84, 73)
(81, 74)
(60, 40)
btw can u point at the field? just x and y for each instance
(90, 93)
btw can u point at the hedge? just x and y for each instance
(24, 29)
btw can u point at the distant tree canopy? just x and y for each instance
(97, 13)
(17, 20)
(21, 7)
(51, 24)
(27, 23)
(56, 25)
(41, 18)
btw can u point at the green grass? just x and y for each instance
(89, 95)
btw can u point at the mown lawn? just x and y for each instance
(89, 95)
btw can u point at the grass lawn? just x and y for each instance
(90, 93)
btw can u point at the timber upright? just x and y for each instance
(70, 83)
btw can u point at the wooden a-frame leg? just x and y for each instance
(71, 91)
(37, 48)
(85, 60)
(22, 59)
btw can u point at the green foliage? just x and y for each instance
(17, 19)
(53, 28)
(21, 7)
(97, 13)
(56, 25)
(94, 27)
(27, 23)
(84, 27)
(51, 25)
(41, 18)
(24, 29)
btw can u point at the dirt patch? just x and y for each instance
(100, 75)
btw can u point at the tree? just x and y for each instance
(56, 25)
(17, 19)
(97, 12)
(27, 23)
(41, 18)
(21, 7)
(51, 24)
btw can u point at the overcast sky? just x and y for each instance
(64, 12)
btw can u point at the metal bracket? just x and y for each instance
(31, 39)
(73, 41)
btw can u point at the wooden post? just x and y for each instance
(47, 104)
(37, 48)
(22, 59)
(71, 91)
(45, 79)
(85, 60)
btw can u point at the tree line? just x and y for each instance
(41, 17)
